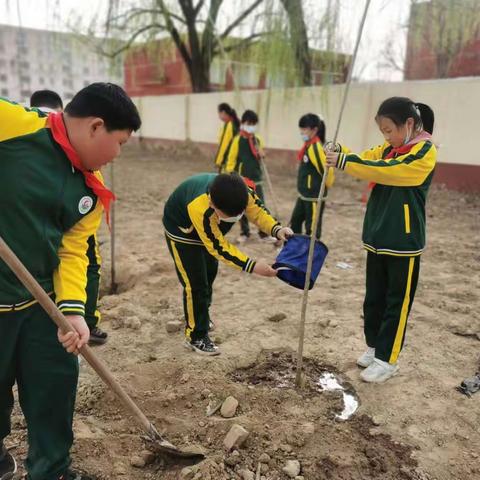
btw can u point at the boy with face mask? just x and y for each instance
(245, 157)
(197, 216)
(311, 168)
(52, 202)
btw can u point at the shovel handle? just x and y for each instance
(17, 267)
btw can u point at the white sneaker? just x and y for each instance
(242, 239)
(378, 371)
(367, 358)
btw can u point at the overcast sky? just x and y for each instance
(385, 25)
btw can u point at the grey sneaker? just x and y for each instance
(379, 371)
(203, 346)
(367, 358)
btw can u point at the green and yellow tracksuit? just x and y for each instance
(247, 163)
(225, 137)
(92, 314)
(48, 215)
(394, 237)
(310, 173)
(196, 240)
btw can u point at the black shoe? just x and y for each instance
(97, 336)
(72, 475)
(203, 346)
(8, 465)
(211, 326)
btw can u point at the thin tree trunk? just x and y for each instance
(299, 37)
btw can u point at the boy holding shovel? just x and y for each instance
(52, 202)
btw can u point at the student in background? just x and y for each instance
(47, 101)
(229, 129)
(245, 157)
(311, 168)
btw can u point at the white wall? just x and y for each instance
(454, 101)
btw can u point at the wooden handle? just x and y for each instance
(64, 325)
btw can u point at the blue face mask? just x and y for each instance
(305, 137)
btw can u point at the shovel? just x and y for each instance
(159, 444)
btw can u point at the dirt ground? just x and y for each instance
(416, 426)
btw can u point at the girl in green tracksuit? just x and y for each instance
(394, 226)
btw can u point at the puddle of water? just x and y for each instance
(329, 382)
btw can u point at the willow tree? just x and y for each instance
(193, 27)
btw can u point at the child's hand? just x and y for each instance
(332, 159)
(285, 233)
(73, 341)
(263, 269)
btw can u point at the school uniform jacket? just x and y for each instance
(188, 218)
(242, 160)
(48, 214)
(394, 222)
(227, 132)
(310, 173)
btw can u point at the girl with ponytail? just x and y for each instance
(230, 127)
(394, 225)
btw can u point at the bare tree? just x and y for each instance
(192, 26)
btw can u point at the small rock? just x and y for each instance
(292, 468)
(278, 317)
(173, 326)
(334, 324)
(218, 340)
(137, 462)
(286, 448)
(246, 474)
(134, 323)
(235, 437)
(229, 407)
(308, 428)
(119, 469)
(187, 473)
(324, 322)
(232, 459)
(205, 393)
(300, 477)
(264, 458)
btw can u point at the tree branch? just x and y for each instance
(242, 43)
(130, 41)
(240, 19)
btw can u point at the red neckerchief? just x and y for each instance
(403, 149)
(59, 132)
(302, 151)
(251, 142)
(250, 183)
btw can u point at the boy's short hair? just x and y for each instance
(108, 102)
(229, 193)
(311, 120)
(250, 116)
(46, 98)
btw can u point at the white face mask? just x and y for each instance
(250, 128)
(408, 137)
(232, 219)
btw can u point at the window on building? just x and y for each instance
(3, 77)
(4, 92)
(25, 79)
(25, 94)
(25, 65)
